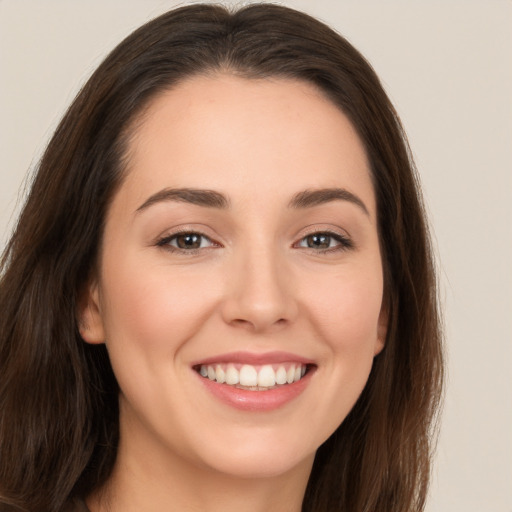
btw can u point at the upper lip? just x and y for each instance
(254, 359)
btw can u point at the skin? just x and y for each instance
(254, 285)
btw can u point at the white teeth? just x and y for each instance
(220, 374)
(232, 375)
(248, 376)
(267, 377)
(264, 377)
(281, 375)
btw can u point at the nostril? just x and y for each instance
(241, 322)
(257, 324)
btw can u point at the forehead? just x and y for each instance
(241, 135)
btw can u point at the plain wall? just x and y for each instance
(446, 66)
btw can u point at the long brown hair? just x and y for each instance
(58, 395)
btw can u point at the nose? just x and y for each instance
(259, 292)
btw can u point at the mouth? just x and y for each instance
(249, 377)
(253, 382)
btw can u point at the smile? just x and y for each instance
(255, 382)
(253, 377)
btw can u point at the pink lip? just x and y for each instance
(256, 401)
(254, 358)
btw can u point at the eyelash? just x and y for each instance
(343, 242)
(165, 242)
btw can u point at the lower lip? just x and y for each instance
(257, 401)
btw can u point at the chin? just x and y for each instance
(260, 456)
(263, 467)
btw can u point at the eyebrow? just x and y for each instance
(310, 198)
(214, 199)
(199, 197)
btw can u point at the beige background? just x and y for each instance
(446, 66)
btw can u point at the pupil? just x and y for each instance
(319, 241)
(189, 241)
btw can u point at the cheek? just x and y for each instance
(347, 307)
(155, 310)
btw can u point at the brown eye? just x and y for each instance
(187, 241)
(324, 241)
(318, 241)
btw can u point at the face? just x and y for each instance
(240, 282)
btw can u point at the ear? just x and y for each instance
(382, 330)
(90, 320)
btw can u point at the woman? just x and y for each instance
(220, 292)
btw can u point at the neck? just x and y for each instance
(176, 484)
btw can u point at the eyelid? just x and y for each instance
(164, 240)
(345, 240)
